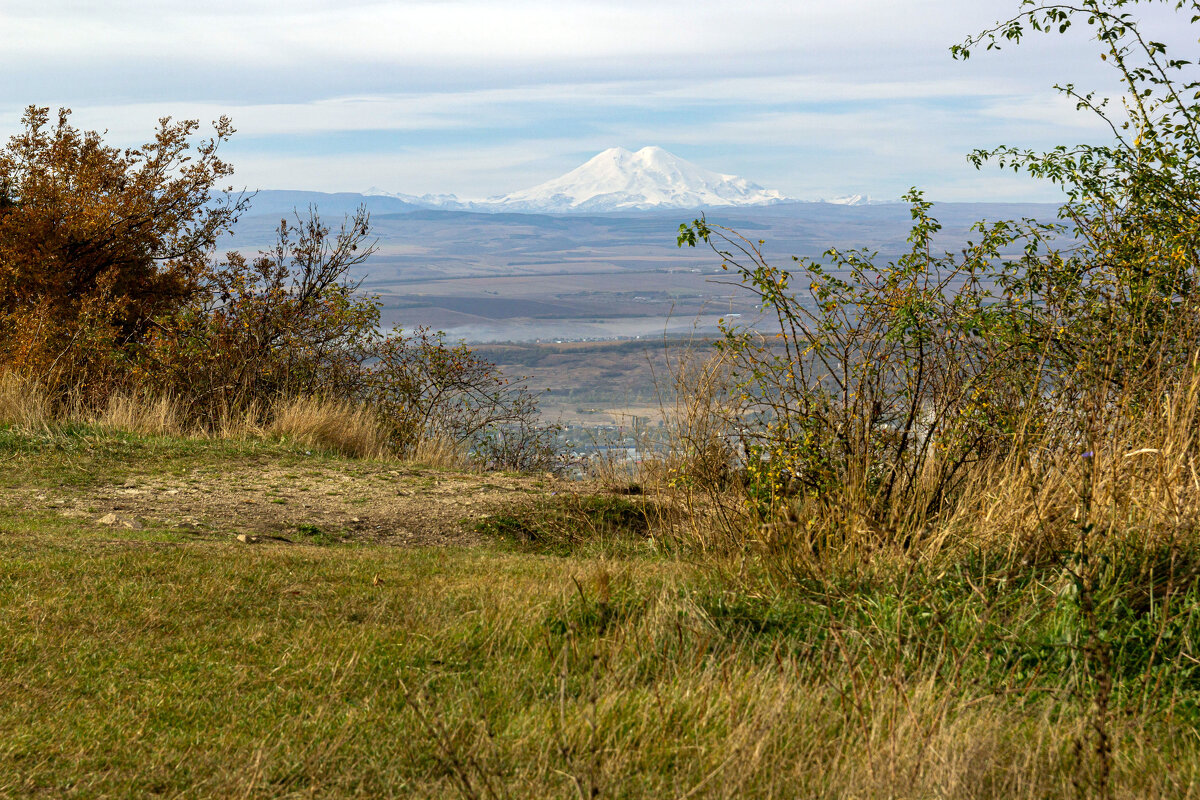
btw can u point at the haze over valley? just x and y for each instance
(592, 255)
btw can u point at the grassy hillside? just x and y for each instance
(206, 618)
(929, 529)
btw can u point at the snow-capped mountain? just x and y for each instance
(618, 180)
(858, 200)
(444, 201)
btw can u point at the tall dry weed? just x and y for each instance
(343, 427)
(702, 459)
(698, 417)
(150, 416)
(1137, 477)
(441, 452)
(23, 401)
(239, 422)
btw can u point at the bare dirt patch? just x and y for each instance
(345, 501)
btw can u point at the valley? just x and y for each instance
(509, 277)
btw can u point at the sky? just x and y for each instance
(816, 99)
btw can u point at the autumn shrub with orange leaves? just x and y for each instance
(109, 285)
(97, 243)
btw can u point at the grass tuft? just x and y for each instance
(584, 523)
(23, 401)
(150, 416)
(336, 426)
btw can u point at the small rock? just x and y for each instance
(247, 538)
(109, 519)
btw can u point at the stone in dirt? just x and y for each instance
(115, 520)
(247, 538)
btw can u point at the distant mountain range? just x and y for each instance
(617, 180)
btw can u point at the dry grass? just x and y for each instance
(1138, 475)
(339, 426)
(23, 402)
(149, 416)
(342, 427)
(438, 452)
(276, 670)
(242, 423)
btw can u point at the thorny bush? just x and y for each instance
(427, 389)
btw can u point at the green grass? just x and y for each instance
(597, 525)
(186, 664)
(84, 455)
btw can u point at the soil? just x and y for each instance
(347, 501)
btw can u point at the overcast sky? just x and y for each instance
(815, 98)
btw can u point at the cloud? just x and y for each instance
(482, 97)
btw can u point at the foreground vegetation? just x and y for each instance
(184, 662)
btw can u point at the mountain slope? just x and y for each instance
(331, 205)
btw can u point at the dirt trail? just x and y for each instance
(346, 501)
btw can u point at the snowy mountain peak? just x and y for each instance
(858, 200)
(618, 180)
(446, 201)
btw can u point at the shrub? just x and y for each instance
(887, 381)
(427, 389)
(287, 323)
(520, 446)
(881, 385)
(110, 297)
(97, 242)
(1121, 307)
